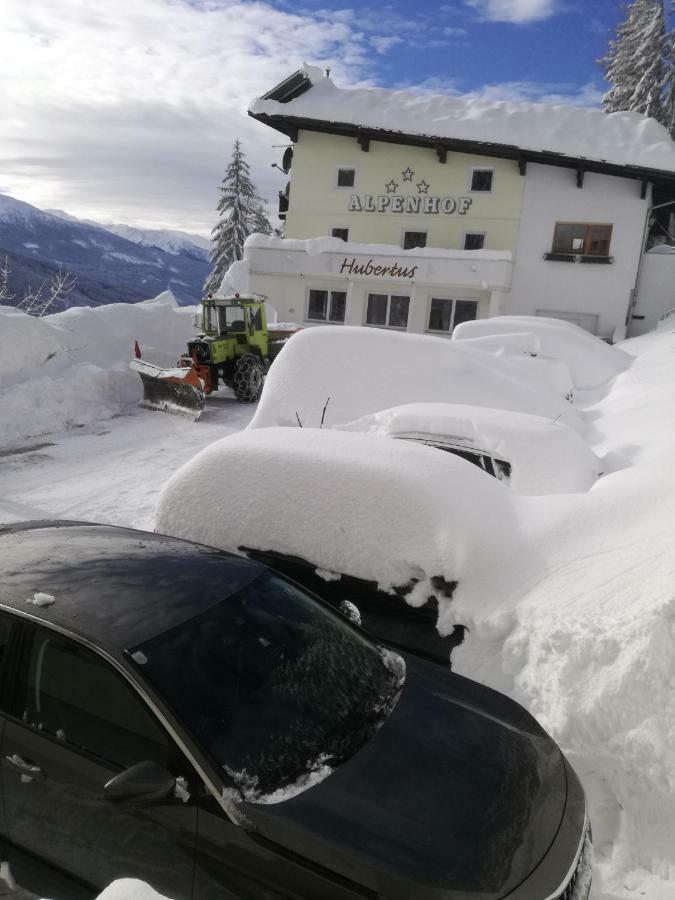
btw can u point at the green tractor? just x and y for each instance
(235, 347)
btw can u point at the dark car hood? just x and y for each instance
(460, 792)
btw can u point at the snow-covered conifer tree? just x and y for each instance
(238, 207)
(260, 222)
(637, 62)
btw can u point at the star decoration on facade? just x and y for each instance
(407, 174)
(391, 186)
(422, 187)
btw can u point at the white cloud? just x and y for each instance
(127, 109)
(384, 44)
(515, 91)
(518, 12)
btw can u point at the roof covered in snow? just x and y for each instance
(545, 133)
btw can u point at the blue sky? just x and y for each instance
(126, 111)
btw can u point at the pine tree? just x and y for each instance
(637, 62)
(240, 210)
(260, 222)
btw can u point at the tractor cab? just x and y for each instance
(241, 314)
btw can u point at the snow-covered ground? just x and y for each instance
(586, 641)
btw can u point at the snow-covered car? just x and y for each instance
(331, 376)
(590, 360)
(188, 717)
(418, 540)
(531, 454)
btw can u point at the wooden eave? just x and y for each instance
(290, 125)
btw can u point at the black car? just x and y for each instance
(188, 717)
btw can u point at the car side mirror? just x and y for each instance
(351, 611)
(145, 782)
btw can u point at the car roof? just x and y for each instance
(117, 587)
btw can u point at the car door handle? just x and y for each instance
(28, 770)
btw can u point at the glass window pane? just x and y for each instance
(569, 238)
(77, 697)
(412, 239)
(474, 241)
(271, 684)
(318, 301)
(465, 311)
(481, 180)
(398, 311)
(338, 302)
(599, 240)
(376, 313)
(345, 178)
(440, 315)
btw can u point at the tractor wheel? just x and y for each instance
(249, 375)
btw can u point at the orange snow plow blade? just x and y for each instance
(178, 390)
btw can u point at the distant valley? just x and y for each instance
(112, 263)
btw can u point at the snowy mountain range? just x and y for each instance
(112, 264)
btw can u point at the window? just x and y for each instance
(445, 314)
(579, 237)
(481, 180)
(326, 306)
(342, 233)
(346, 177)
(76, 696)
(413, 239)
(387, 310)
(474, 240)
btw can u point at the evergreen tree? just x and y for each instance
(260, 222)
(240, 211)
(638, 61)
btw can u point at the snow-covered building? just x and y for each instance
(419, 212)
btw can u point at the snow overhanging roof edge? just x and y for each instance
(290, 126)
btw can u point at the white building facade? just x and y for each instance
(463, 213)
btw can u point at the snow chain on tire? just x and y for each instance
(248, 378)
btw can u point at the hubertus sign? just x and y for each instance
(352, 266)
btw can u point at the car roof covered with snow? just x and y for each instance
(117, 587)
(590, 360)
(357, 370)
(546, 457)
(390, 512)
(621, 143)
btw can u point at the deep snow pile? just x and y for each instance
(591, 361)
(363, 370)
(384, 511)
(546, 457)
(71, 368)
(625, 137)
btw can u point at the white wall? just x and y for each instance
(285, 276)
(656, 293)
(551, 196)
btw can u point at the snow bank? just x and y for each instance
(591, 647)
(626, 138)
(363, 370)
(70, 368)
(591, 361)
(546, 457)
(386, 511)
